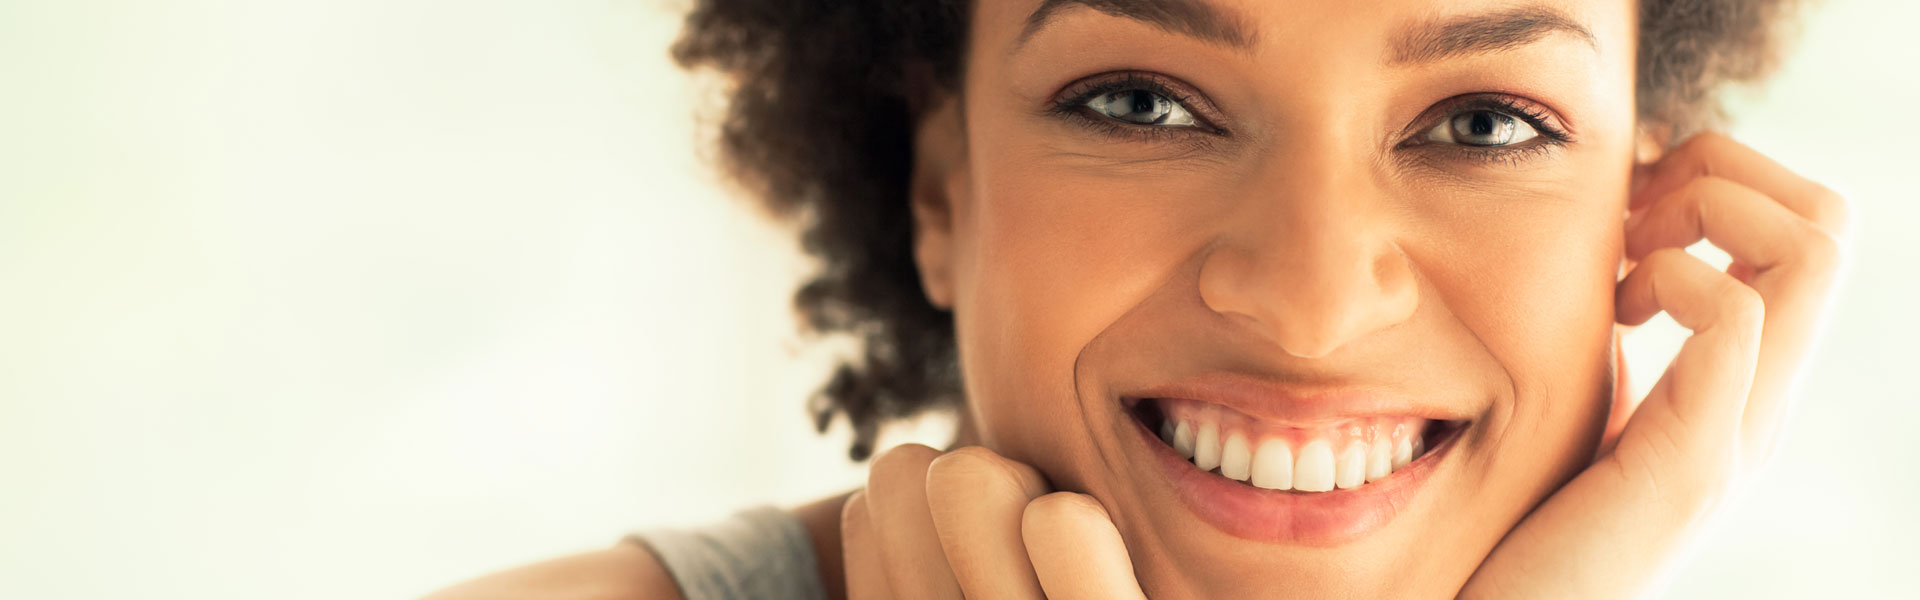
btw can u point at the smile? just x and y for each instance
(1319, 481)
(1344, 454)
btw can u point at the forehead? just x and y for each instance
(1396, 32)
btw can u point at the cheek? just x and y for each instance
(1050, 261)
(1531, 275)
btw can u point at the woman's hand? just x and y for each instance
(1716, 413)
(932, 525)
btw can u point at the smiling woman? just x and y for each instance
(1324, 292)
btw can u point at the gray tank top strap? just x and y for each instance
(756, 553)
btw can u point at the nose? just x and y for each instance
(1313, 266)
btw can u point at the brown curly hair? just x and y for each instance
(823, 102)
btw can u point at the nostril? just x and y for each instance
(1312, 300)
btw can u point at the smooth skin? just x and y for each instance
(1312, 245)
(1322, 242)
(1114, 257)
(1711, 419)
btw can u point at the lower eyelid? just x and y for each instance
(1103, 125)
(1512, 156)
(1144, 143)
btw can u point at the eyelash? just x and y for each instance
(1071, 105)
(1551, 135)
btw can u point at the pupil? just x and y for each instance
(1482, 123)
(1142, 102)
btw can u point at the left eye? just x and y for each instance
(1141, 107)
(1482, 128)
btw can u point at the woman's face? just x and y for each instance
(1310, 239)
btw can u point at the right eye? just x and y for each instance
(1141, 107)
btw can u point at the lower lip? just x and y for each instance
(1282, 517)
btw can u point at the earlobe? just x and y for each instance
(938, 189)
(1650, 142)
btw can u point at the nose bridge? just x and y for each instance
(1310, 256)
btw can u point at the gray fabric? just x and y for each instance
(756, 553)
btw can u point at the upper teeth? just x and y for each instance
(1290, 458)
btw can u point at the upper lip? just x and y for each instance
(1300, 403)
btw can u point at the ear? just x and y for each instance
(938, 190)
(1651, 141)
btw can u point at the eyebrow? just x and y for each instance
(1418, 43)
(1483, 33)
(1192, 18)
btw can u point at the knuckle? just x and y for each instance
(1830, 209)
(973, 469)
(1692, 143)
(1704, 143)
(1705, 194)
(1664, 259)
(1708, 184)
(1741, 306)
(902, 461)
(1719, 194)
(853, 513)
(972, 454)
(1064, 505)
(1715, 141)
(1820, 250)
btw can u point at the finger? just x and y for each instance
(866, 571)
(897, 503)
(1786, 258)
(1671, 463)
(1753, 228)
(1076, 550)
(1718, 155)
(1624, 402)
(977, 498)
(1707, 386)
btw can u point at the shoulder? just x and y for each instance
(625, 571)
(629, 571)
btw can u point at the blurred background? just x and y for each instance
(358, 299)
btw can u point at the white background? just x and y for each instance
(359, 298)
